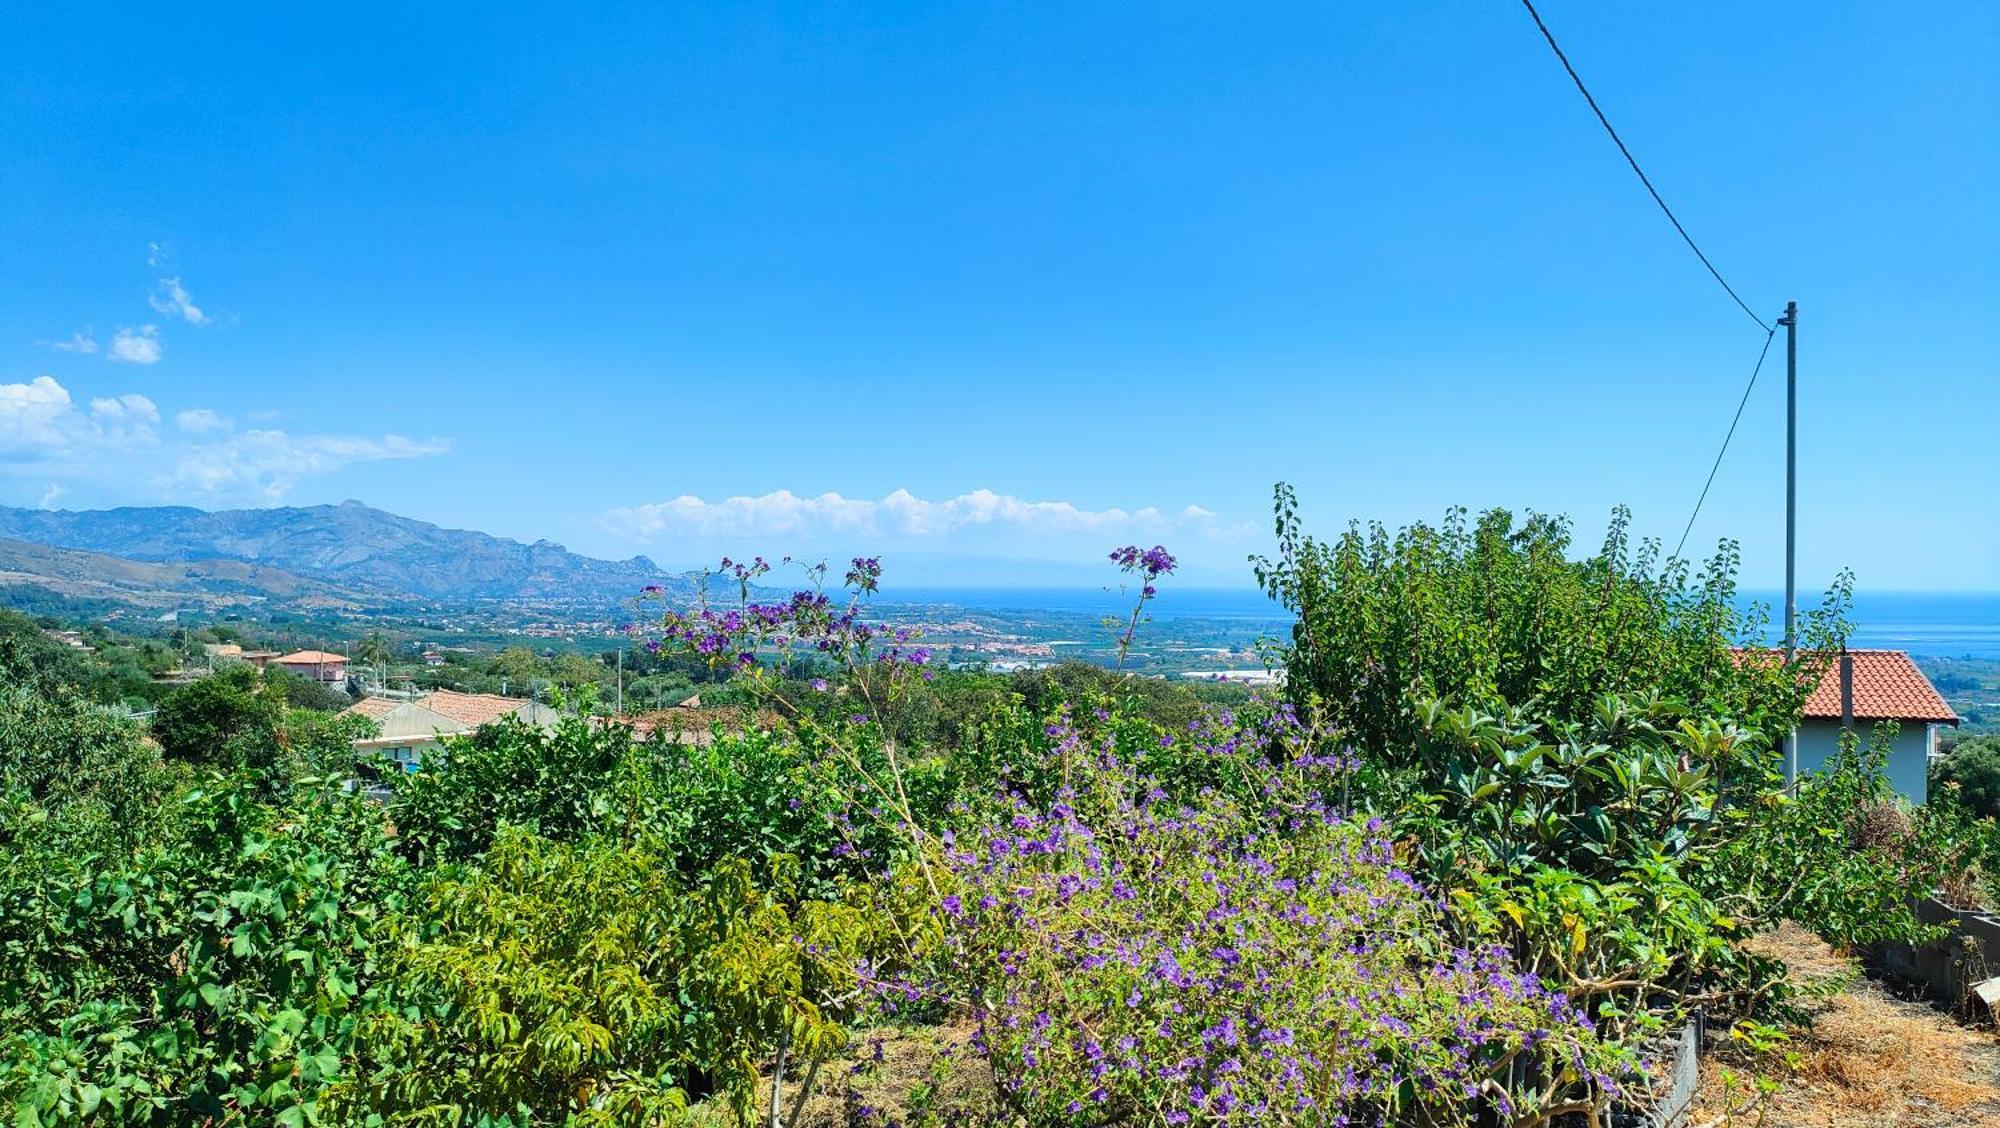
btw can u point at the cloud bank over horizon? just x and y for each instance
(901, 514)
(979, 525)
(119, 449)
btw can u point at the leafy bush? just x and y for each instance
(1974, 765)
(581, 778)
(31, 659)
(81, 765)
(581, 983)
(1576, 752)
(222, 962)
(1498, 613)
(1841, 858)
(1131, 958)
(227, 720)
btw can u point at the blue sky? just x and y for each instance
(1015, 282)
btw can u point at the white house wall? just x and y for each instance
(1909, 753)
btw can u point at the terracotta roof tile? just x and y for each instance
(309, 658)
(472, 709)
(1887, 686)
(374, 708)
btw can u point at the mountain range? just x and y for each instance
(326, 554)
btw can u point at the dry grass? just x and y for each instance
(1871, 1058)
(916, 1075)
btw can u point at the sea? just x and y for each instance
(1933, 624)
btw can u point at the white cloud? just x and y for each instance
(130, 406)
(200, 421)
(33, 416)
(80, 342)
(50, 496)
(114, 446)
(136, 346)
(901, 515)
(156, 255)
(172, 299)
(269, 463)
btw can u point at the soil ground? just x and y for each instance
(1876, 1056)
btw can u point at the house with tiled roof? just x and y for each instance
(322, 666)
(406, 730)
(1869, 688)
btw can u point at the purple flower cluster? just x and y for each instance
(809, 621)
(1148, 564)
(1134, 957)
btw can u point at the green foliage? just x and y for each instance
(305, 693)
(582, 778)
(1973, 765)
(582, 983)
(222, 963)
(228, 720)
(80, 765)
(1578, 759)
(1838, 858)
(28, 657)
(1496, 611)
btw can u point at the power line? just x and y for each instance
(1769, 333)
(1643, 179)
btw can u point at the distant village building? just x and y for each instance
(321, 666)
(407, 730)
(690, 722)
(1239, 677)
(72, 639)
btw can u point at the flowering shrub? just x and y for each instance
(1135, 959)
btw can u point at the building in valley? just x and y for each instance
(409, 729)
(321, 666)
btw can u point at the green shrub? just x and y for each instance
(581, 983)
(228, 720)
(1974, 765)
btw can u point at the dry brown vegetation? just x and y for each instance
(1872, 1059)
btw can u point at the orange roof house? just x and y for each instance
(1887, 690)
(319, 665)
(407, 730)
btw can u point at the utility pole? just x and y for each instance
(1791, 323)
(621, 682)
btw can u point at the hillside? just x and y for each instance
(77, 574)
(351, 546)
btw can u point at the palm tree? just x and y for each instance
(374, 650)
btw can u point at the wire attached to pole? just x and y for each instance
(1770, 333)
(1634, 162)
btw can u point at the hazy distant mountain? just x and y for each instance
(96, 577)
(351, 546)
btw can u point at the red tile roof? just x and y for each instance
(473, 709)
(468, 709)
(1887, 686)
(374, 708)
(310, 658)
